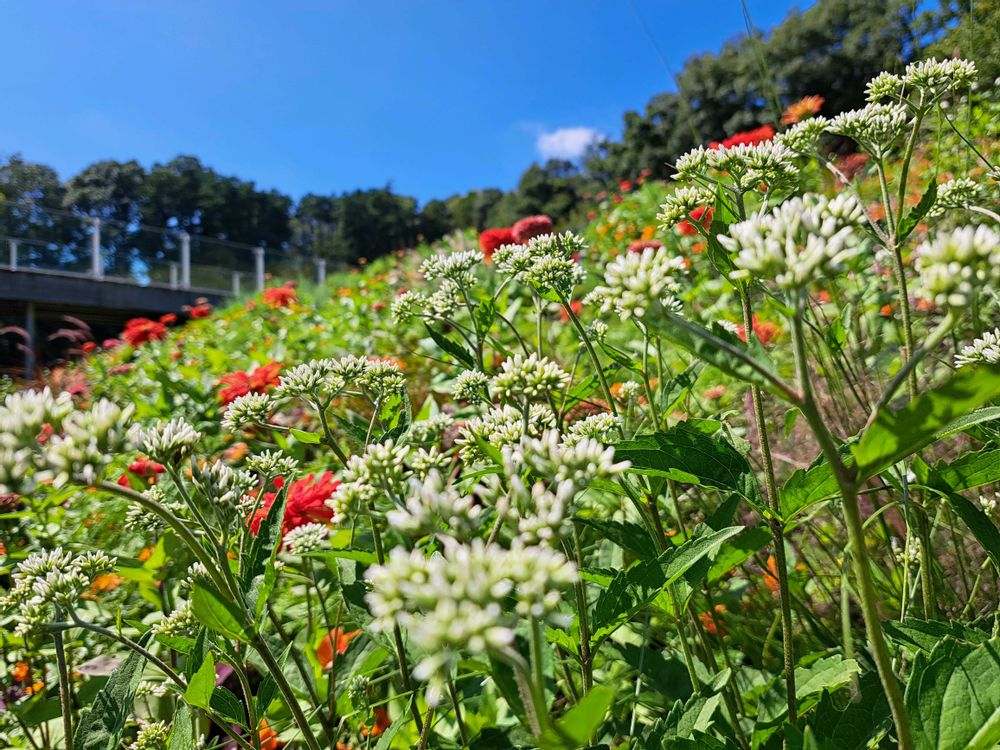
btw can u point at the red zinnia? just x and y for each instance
(492, 238)
(280, 296)
(305, 502)
(240, 383)
(168, 319)
(764, 330)
(701, 214)
(140, 330)
(531, 226)
(202, 310)
(746, 138)
(639, 245)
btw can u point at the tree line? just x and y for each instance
(831, 49)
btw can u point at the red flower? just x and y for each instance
(88, 346)
(686, 227)
(492, 238)
(111, 343)
(639, 245)
(240, 383)
(746, 138)
(335, 643)
(305, 502)
(576, 306)
(764, 330)
(169, 319)
(625, 185)
(531, 226)
(382, 722)
(140, 330)
(280, 296)
(144, 467)
(202, 310)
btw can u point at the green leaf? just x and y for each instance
(828, 673)
(738, 550)
(805, 488)
(953, 697)
(910, 221)
(855, 725)
(385, 741)
(217, 614)
(181, 733)
(228, 706)
(924, 635)
(101, 727)
(895, 435)
(449, 346)
(633, 589)
(629, 536)
(686, 454)
(309, 438)
(979, 524)
(734, 359)
(970, 470)
(202, 685)
(573, 730)
(257, 573)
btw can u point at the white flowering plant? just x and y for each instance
(557, 498)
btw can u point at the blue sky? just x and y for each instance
(434, 96)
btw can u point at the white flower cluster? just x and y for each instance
(168, 443)
(678, 205)
(958, 264)
(312, 380)
(986, 349)
(457, 601)
(803, 136)
(747, 165)
(383, 466)
(430, 430)
(458, 268)
(247, 410)
(51, 578)
(152, 735)
(875, 127)
(604, 428)
(470, 385)
(990, 505)
(530, 378)
(43, 438)
(934, 78)
(799, 242)
(223, 486)
(308, 537)
(272, 464)
(546, 262)
(502, 426)
(955, 194)
(179, 623)
(634, 282)
(432, 506)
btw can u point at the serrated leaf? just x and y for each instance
(924, 635)
(979, 524)
(102, 726)
(629, 536)
(580, 722)
(910, 221)
(202, 685)
(970, 470)
(181, 733)
(217, 614)
(895, 435)
(953, 697)
(228, 706)
(449, 346)
(309, 438)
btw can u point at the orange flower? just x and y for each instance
(885, 311)
(335, 643)
(279, 296)
(708, 620)
(21, 672)
(268, 737)
(102, 583)
(805, 107)
(258, 380)
(771, 574)
(35, 687)
(382, 722)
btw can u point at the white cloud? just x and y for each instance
(566, 143)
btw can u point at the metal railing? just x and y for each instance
(57, 242)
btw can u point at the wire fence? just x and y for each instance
(45, 240)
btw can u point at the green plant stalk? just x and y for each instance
(457, 706)
(248, 696)
(855, 532)
(586, 657)
(397, 635)
(774, 523)
(287, 694)
(65, 700)
(328, 433)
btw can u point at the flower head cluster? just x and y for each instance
(680, 204)
(956, 265)
(875, 127)
(600, 427)
(152, 735)
(315, 379)
(168, 443)
(932, 78)
(530, 378)
(955, 194)
(502, 426)
(383, 379)
(457, 268)
(458, 601)
(747, 165)
(51, 578)
(382, 466)
(223, 486)
(984, 349)
(546, 262)
(470, 385)
(634, 282)
(272, 464)
(803, 136)
(432, 506)
(248, 410)
(306, 538)
(799, 242)
(179, 623)
(429, 431)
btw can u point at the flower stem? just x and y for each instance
(65, 700)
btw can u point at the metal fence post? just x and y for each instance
(258, 253)
(96, 265)
(185, 260)
(320, 270)
(13, 255)
(173, 275)
(236, 283)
